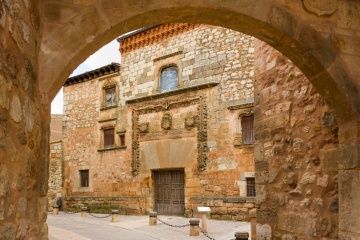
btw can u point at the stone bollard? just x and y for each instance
(55, 210)
(152, 218)
(84, 211)
(194, 227)
(241, 236)
(114, 215)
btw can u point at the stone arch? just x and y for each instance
(71, 36)
(280, 26)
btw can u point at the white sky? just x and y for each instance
(104, 56)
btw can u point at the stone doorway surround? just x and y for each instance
(44, 41)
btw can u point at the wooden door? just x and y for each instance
(169, 192)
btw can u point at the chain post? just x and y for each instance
(194, 227)
(152, 218)
(84, 211)
(114, 215)
(241, 236)
(55, 210)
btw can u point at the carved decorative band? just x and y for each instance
(200, 123)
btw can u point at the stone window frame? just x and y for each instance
(243, 183)
(121, 133)
(116, 139)
(76, 176)
(107, 85)
(165, 62)
(160, 78)
(238, 141)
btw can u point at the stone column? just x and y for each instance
(84, 211)
(204, 222)
(152, 218)
(241, 236)
(348, 158)
(114, 215)
(194, 227)
(253, 228)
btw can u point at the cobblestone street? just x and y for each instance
(74, 227)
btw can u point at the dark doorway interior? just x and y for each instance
(169, 192)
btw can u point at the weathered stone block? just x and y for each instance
(349, 200)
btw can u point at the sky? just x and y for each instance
(104, 56)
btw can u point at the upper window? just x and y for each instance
(110, 96)
(247, 129)
(109, 138)
(169, 79)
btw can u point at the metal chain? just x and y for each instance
(172, 225)
(67, 212)
(205, 234)
(98, 216)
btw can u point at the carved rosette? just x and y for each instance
(143, 127)
(190, 122)
(199, 121)
(321, 7)
(166, 121)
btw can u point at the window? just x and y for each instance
(84, 178)
(250, 187)
(122, 140)
(110, 96)
(247, 129)
(109, 138)
(169, 79)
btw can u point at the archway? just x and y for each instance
(311, 35)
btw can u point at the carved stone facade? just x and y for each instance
(188, 128)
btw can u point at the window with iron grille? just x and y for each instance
(109, 138)
(247, 129)
(250, 187)
(84, 178)
(169, 79)
(110, 96)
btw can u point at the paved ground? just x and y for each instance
(74, 227)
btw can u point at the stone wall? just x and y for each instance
(24, 125)
(55, 173)
(216, 86)
(204, 54)
(127, 205)
(297, 184)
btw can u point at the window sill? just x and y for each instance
(83, 189)
(106, 108)
(249, 145)
(111, 149)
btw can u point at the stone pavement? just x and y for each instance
(73, 227)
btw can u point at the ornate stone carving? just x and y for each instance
(190, 122)
(166, 121)
(143, 127)
(109, 83)
(200, 123)
(321, 7)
